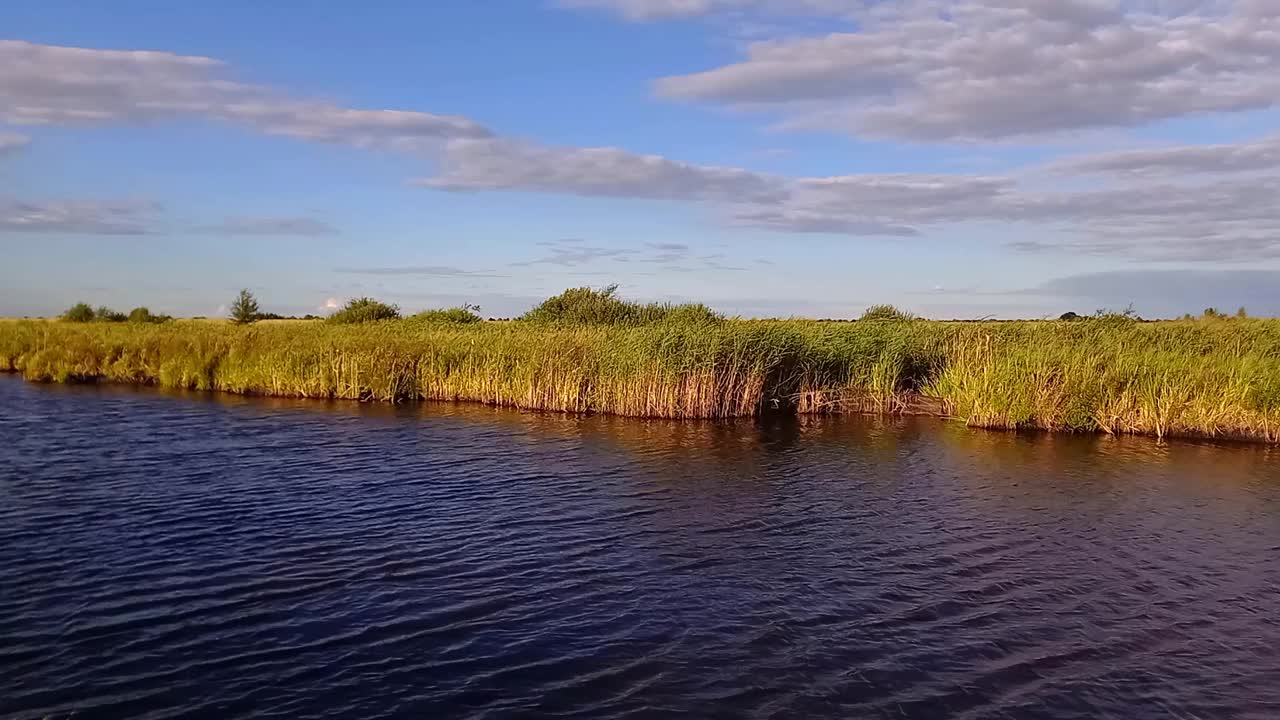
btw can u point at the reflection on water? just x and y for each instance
(167, 555)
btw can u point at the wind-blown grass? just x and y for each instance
(464, 314)
(1209, 377)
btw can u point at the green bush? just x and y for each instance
(886, 312)
(590, 306)
(143, 315)
(365, 309)
(106, 314)
(80, 312)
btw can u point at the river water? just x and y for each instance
(193, 555)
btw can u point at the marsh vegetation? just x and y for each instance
(591, 351)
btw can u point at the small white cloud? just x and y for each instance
(77, 217)
(301, 226)
(10, 142)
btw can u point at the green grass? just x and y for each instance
(464, 314)
(1213, 377)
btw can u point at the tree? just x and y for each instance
(106, 314)
(80, 312)
(245, 309)
(1068, 316)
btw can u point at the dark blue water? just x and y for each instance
(199, 556)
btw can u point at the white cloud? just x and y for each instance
(649, 9)
(78, 217)
(10, 142)
(52, 85)
(968, 69)
(503, 164)
(135, 217)
(1188, 220)
(1256, 155)
(300, 225)
(652, 10)
(441, 271)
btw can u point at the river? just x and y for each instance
(190, 555)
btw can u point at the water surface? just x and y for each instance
(221, 557)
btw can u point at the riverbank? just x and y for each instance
(1199, 378)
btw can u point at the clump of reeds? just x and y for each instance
(463, 314)
(886, 313)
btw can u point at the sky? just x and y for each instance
(956, 158)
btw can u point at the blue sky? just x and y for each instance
(960, 158)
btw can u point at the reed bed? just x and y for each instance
(1205, 378)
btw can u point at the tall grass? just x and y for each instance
(465, 314)
(1206, 377)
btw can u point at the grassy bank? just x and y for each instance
(1215, 378)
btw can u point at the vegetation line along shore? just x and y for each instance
(589, 351)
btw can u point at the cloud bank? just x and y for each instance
(935, 70)
(507, 164)
(68, 86)
(135, 217)
(1198, 219)
(944, 70)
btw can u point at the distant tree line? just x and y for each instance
(83, 312)
(583, 306)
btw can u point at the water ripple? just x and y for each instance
(199, 556)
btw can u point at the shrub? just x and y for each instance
(106, 314)
(80, 312)
(1127, 315)
(464, 314)
(245, 308)
(365, 309)
(590, 306)
(886, 313)
(143, 315)
(584, 305)
(1068, 316)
